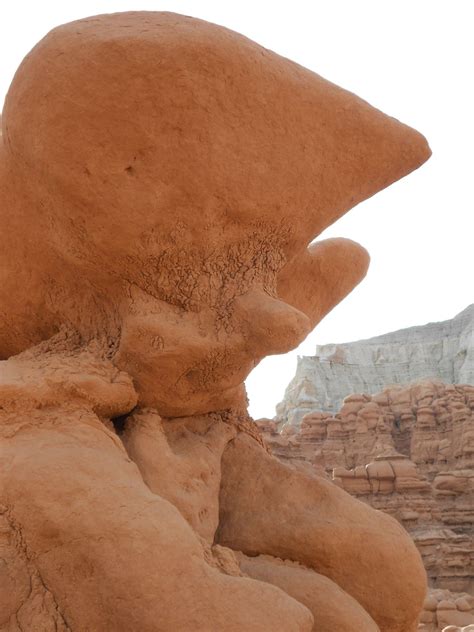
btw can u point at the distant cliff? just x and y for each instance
(443, 351)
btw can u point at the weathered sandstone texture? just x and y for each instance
(443, 351)
(443, 608)
(161, 181)
(408, 451)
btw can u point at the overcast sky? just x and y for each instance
(412, 59)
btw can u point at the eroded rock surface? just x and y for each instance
(161, 182)
(443, 609)
(408, 451)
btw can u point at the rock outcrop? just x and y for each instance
(443, 351)
(443, 609)
(408, 451)
(160, 181)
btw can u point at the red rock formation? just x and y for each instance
(408, 452)
(161, 179)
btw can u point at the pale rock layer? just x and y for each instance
(443, 350)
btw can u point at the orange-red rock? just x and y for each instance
(406, 451)
(333, 609)
(161, 179)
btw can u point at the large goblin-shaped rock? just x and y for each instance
(163, 178)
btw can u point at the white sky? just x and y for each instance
(412, 59)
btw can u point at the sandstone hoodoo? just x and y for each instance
(443, 351)
(408, 451)
(161, 179)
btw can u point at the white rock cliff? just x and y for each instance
(443, 350)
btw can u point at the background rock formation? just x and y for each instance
(443, 350)
(408, 451)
